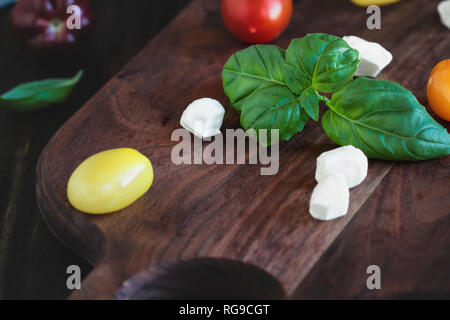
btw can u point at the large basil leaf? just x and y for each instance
(256, 67)
(274, 108)
(39, 94)
(329, 61)
(384, 120)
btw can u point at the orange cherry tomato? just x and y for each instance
(438, 89)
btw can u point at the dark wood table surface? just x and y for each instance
(408, 240)
(32, 261)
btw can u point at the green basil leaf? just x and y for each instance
(39, 94)
(385, 121)
(296, 80)
(274, 108)
(328, 61)
(309, 101)
(250, 69)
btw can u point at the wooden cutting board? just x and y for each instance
(228, 211)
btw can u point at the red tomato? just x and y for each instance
(256, 21)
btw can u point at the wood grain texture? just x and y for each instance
(403, 228)
(32, 261)
(215, 211)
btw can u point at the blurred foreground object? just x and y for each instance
(202, 278)
(366, 3)
(41, 25)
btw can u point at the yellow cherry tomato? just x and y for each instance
(366, 3)
(109, 181)
(438, 89)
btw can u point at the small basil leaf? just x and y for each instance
(296, 80)
(303, 53)
(274, 108)
(39, 94)
(309, 100)
(335, 67)
(329, 61)
(250, 69)
(385, 121)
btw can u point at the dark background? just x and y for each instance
(32, 261)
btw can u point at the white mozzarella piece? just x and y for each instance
(330, 198)
(348, 161)
(444, 12)
(374, 58)
(203, 117)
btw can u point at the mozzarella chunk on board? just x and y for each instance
(444, 12)
(373, 57)
(330, 198)
(348, 161)
(203, 117)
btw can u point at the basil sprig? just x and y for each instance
(281, 89)
(39, 94)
